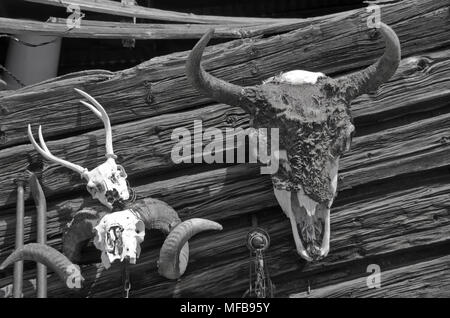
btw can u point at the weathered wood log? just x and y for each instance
(395, 180)
(144, 147)
(211, 193)
(142, 31)
(373, 225)
(114, 8)
(160, 86)
(425, 279)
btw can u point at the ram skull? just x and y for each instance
(150, 213)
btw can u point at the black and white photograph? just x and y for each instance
(243, 150)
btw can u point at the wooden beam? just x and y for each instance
(404, 212)
(115, 8)
(425, 279)
(370, 157)
(371, 225)
(141, 31)
(160, 86)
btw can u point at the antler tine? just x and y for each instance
(105, 119)
(92, 108)
(42, 141)
(44, 152)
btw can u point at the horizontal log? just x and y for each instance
(425, 279)
(150, 139)
(160, 86)
(395, 216)
(209, 193)
(420, 85)
(119, 9)
(144, 146)
(414, 147)
(122, 30)
(370, 225)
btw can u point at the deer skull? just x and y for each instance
(312, 113)
(107, 183)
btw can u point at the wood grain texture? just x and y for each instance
(144, 146)
(375, 224)
(114, 8)
(425, 279)
(392, 208)
(90, 29)
(160, 86)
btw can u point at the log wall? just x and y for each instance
(392, 208)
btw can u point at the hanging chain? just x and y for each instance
(126, 278)
(260, 283)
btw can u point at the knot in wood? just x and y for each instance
(252, 51)
(149, 97)
(254, 69)
(3, 138)
(231, 119)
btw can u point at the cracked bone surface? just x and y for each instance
(119, 235)
(312, 113)
(107, 183)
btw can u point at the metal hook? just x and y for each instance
(126, 278)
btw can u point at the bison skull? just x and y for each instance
(312, 113)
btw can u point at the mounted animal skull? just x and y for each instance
(312, 113)
(106, 183)
(114, 233)
(118, 236)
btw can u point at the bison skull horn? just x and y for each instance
(107, 182)
(312, 113)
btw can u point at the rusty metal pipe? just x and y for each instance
(41, 207)
(18, 266)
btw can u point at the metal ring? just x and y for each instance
(258, 240)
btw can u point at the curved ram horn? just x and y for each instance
(369, 79)
(213, 87)
(174, 257)
(174, 254)
(68, 272)
(80, 229)
(157, 215)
